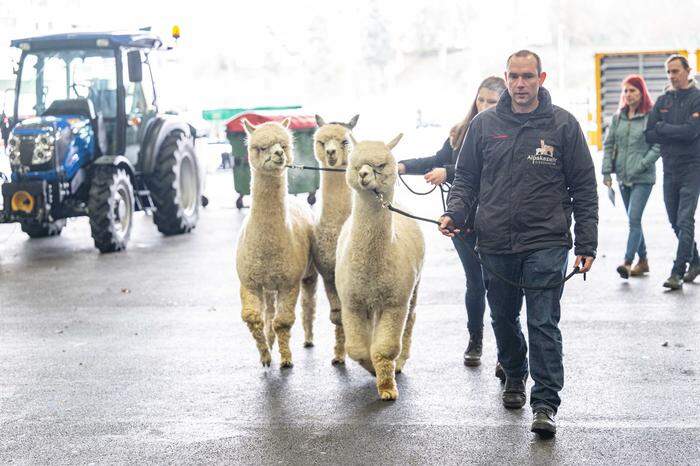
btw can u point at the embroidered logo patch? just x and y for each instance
(544, 155)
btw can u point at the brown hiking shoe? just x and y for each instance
(640, 268)
(625, 269)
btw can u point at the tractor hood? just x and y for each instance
(48, 144)
(49, 125)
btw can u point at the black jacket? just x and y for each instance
(444, 158)
(674, 122)
(528, 175)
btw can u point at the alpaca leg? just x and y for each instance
(308, 307)
(406, 342)
(336, 319)
(358, 337)
(386, 346)
(270, 302)
(252, 316)
(407, 333)
(284, 319)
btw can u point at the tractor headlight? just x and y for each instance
(43, 149)
(13, 150)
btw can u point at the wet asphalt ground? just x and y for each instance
(142, 357)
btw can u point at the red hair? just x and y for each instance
(645, 104)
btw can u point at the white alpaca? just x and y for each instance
(273, 259)
(332, 147)
(378, 266)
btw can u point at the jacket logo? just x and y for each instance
(544, 155)
(500, 136)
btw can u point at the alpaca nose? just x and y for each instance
(279, 152)
(330, 152)
(363, 175)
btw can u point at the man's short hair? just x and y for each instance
(684, 61)
(524, 54)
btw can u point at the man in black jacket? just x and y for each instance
(526, 163)
(674, 123)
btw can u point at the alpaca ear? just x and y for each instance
(319, 121)
(247, 126)
(353, 122)
(391, 144)
(352, 138)
(286, 122)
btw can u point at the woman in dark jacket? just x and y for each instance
(440, 168)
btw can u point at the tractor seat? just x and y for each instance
(81, 107)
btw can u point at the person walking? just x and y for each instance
(440, 168)
(527, 164)
(632, 159)
(674, 123)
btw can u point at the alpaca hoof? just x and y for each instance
(266, 359)
(398, 370)
(286, 364)
(338, 361)
(308, 344)
(389, 395)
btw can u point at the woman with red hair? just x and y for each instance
(632, 159)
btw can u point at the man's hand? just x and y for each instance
(436, 176)
(585, 262)
(402, 168)
(447, 226)
(607, 182)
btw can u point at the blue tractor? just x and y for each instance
(89, 140)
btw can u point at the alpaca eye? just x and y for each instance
(381, 167)
(262, 149)
(345, 142)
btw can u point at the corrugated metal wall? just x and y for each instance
(613, 68)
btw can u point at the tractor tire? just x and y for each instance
(111, 208)
(43, 230)
(175, 185)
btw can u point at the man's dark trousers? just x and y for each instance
(681, 190)
(538, 267)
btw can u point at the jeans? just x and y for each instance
(681, 190)
(539, 267)
(635, 198)
(475, 297)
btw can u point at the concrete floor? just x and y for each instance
(142, 357)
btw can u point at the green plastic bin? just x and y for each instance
(298, 181)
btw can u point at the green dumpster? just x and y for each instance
(299, 181)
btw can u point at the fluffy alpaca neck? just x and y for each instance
(372, 224)
(336, 199)
(268, 199)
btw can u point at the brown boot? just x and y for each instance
(640, 268)
(625, 269)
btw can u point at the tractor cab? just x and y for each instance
(99, 77)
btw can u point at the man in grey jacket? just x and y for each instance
(527, 165)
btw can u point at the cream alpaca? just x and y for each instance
(378, 265)
(273, 259)
(331, 147)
